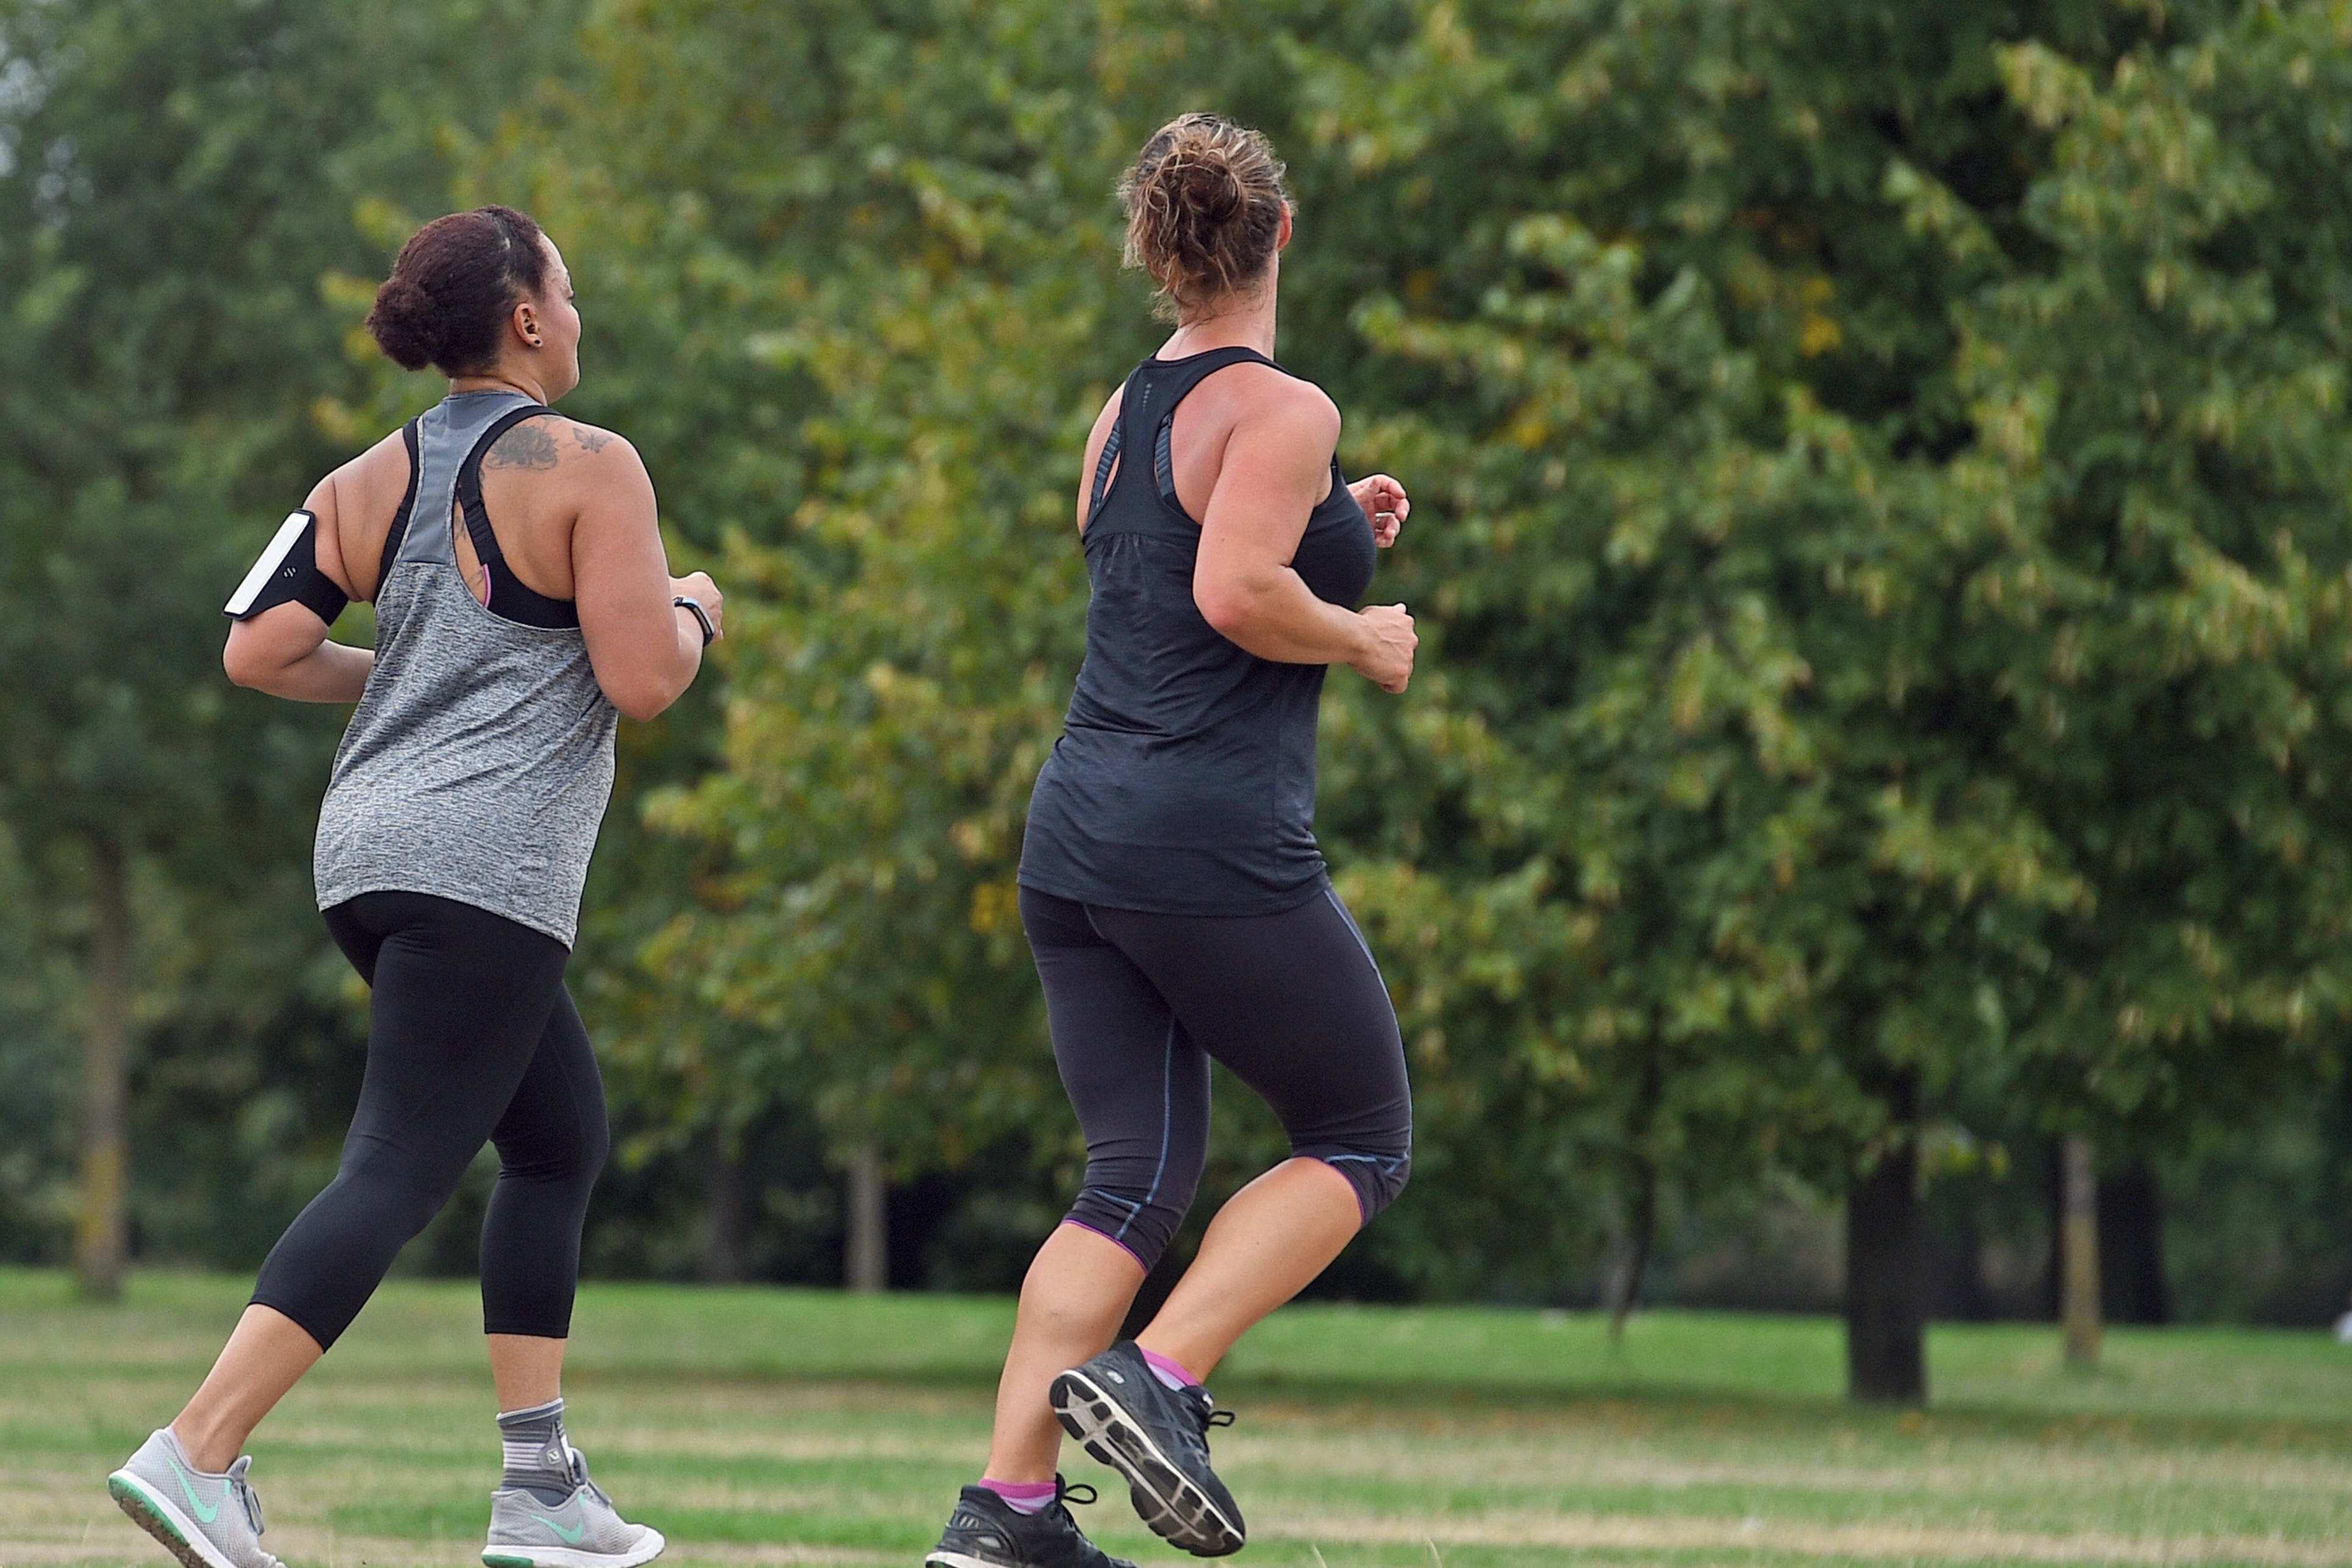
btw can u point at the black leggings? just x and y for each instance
(471, 1038)
(1292, 1003)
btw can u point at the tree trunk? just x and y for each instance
(1641, 1227)
(722, 1245)
(2078, 1302)
(867, 1244)
(1885, 1324)
(1642, 1209)
(101, 1232)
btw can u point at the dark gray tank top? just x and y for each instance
(479, 761)
(1184, 778)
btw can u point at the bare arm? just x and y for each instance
(284, 650)
(1273, 474)
(646, 650)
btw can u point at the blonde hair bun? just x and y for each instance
(1204, 202)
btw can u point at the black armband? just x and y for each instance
(288, 572)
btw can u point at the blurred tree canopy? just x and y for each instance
(1880, 542)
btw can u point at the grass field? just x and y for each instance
(776, 1427)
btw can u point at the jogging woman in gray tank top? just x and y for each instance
(523, 605)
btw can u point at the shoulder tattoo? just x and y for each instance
(528, 444)
(590, 438)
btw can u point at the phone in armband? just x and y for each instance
(288, 572)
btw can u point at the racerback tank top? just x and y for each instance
(479, 761)
(1184, 782)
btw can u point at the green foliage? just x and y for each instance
(176, 184)
(1869, 643)
(1881, 482)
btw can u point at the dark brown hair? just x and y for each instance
(1204, 203)
(446, 301)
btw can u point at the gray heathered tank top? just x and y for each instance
(479, 761)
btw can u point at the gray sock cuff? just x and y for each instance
(549, 1413)
(537, 1457)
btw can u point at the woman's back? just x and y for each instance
(1184, 778)
(479, 761)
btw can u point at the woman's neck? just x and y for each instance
(499, 380)
(1237, 321)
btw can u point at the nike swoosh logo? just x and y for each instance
(206, 1514)
(569, 1537)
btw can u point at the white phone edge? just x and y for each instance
(271, 559)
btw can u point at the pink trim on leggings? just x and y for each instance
(1115, 1241)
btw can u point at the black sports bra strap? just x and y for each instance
(1163, 457)
(1147, 412)
(407, 505)
(1103, 465)
(510, 595)
(469, 482)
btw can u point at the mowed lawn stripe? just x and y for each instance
(756, 1426)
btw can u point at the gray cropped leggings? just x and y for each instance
(1291, 1003)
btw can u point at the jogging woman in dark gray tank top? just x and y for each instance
(1174, 898)
(523, 603)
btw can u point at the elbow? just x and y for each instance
(1227, 609)
(240, 665)
(643, 702)
(642, 708)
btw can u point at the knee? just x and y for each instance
(1378, 1175)
(1388, 1176)
(394, 1203)
(571, 1156)
(1141, 1219)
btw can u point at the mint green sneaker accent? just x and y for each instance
(205, 1521)
(188, 1489)
(583, 1530)
(569, 1537)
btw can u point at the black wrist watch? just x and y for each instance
(701, 617)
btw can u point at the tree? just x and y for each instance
(175, 185)
(1727, 831)
(1904, 642)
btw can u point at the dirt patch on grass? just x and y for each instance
(1895, 1542)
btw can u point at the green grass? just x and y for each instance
(773, 1427)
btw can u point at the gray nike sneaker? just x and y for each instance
(205, 1521)
(582, 1531)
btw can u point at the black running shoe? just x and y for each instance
(1157, 1438)
(986, 1532)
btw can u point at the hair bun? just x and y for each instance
(1207, 185)
(1204, 203)
(402, 323)
(451, 289)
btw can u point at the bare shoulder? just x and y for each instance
(547, 442)
(366, 486)
(1264, 391)
(1265, 398)
(383, 464)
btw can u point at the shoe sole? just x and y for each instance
(958, 1560)
(568, 1557)
(161, 1517)
(1170, 1502)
